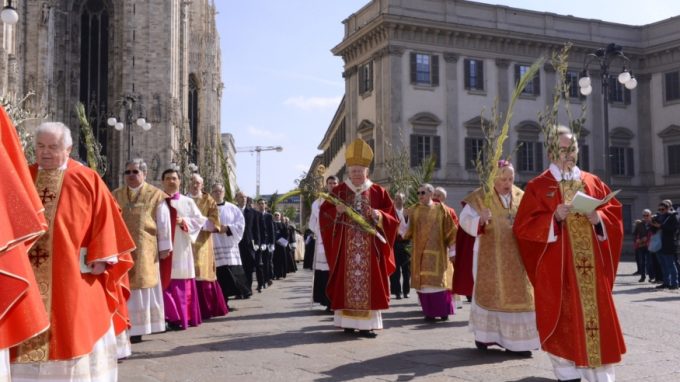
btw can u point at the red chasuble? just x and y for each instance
(82, 305)
(22, 314)
(573, 277)
(347, 246)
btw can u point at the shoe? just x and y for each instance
(367, 333)
(673, 287)
(349, 331)
(481, 345)
(430, 319)
(642, 279)
(661, 286)
(398, 297)
(135, 339)
(405, 295)
(329, 310)
(524, 353)
(270, 283)
(445, 318)
(468, 298)
(246, 296)
(569, 380)
(171, 327)
(259, 289)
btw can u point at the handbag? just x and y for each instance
(654, 244)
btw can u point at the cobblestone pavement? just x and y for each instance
(279, 335)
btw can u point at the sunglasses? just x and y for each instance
(422, 192)
(128, 172)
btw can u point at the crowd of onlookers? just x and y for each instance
(655, 240)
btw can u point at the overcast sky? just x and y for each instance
(283, 85)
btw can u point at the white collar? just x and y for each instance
(62, 167)
(359, 189)
(136, 189)
(574, 174)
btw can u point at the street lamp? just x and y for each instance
(9, 14)
(128, 102)
(605, 56)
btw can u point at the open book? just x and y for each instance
(586, 204)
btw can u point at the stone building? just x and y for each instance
(156, 59)
(419, 73)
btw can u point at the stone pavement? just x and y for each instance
(279, 336)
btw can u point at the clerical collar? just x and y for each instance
(220, 204)
(62, 167)
(574, 174)
(359, 189)
(198, 196)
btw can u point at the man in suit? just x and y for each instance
(250, 241)
(266, 245)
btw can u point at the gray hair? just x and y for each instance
(218, 185)
(139, 162)
(399, 193)
(441, 190)
(56, 129)
(428, 187)
(646, 211)
(196, 176)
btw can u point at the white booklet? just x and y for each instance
(586, 204)
(282, 241)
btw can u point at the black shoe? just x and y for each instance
(445, 318)
(673, 287)
(135, 339)
(661, 286)
(405, 295)
(525, 353)
(171, 327)
(569, 380)
(430, 319)
(468, 298)
(481, 345)
(398, 297)
(349, 331)
(270, 282)
(642, 279)
(367, 333)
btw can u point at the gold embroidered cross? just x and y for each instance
(47, 195)
(584, 267)
(592, 328)
(38, 256)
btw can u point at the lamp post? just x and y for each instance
(605, 56)
(9, 14)
(128, 104)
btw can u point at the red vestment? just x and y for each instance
(561, 305)
(22, 314)
(463, 280)
(341, 239)
(84, 305)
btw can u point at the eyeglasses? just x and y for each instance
(662, 209)
(422, 192)
(128, 172)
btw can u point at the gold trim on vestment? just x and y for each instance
(357, 314)
(431, 229)
(358, 260)
(204, 256)
(48, 184)
(501, 282)
(583, 253)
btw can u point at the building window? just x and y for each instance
(193, 119)
(672, 86)
(673, 159)
(423, 146)
(529, 156)
(474, 74)
(473, 148)
(533, 87)
(618, 92)
(424, 69)
(366, 78)
(583, 157)
(621, 161)
(571, 79)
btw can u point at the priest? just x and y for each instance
(360, 263)
(571, 259)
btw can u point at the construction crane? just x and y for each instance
(258, 150)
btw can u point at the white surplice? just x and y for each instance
(182, 255)
(226, 247)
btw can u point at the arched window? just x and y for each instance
(94, 64)
(193, 119)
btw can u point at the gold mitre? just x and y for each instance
(359, 153)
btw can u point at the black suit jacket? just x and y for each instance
(267, 229)
(251, 234)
